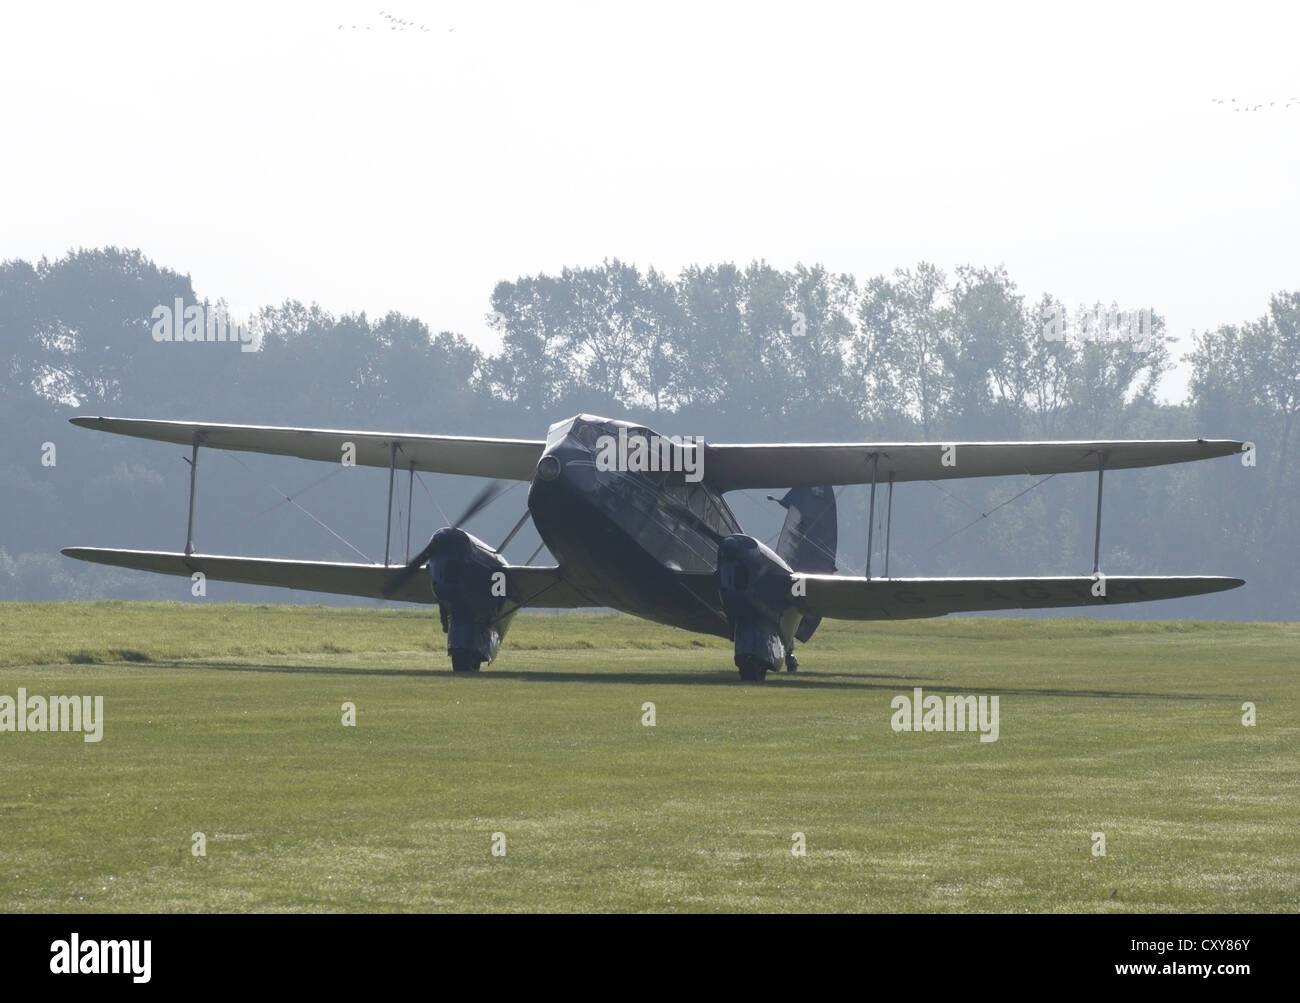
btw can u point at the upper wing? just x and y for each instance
(529, 586)
(510, 459)
(788, 465)
(844, 598)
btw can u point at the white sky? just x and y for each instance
(272, 156)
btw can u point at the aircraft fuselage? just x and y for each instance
(625, 536)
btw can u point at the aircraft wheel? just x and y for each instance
(752, 670)
(791, 663)
(465, 661)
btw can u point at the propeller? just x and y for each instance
(481, 501)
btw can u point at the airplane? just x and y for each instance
(645, 528)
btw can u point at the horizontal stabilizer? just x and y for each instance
(531, 586)
(788, 465)
(844, 598)
(507, 459)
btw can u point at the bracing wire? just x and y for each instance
(295, 504)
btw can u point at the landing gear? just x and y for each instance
(791, 663)
(752, 669)
(465, 661)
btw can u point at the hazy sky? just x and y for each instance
(271, 155)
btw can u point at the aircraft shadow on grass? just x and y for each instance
(808, 680)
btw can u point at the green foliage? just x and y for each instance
(733, 353)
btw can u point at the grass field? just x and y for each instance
(226, 720)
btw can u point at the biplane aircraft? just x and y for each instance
(645, 528)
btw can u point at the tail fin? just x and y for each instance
(809, 537)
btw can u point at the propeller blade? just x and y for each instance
(480, 502)
(411, 569)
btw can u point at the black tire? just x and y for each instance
(465, 661)
(791, 663)
(752, 670)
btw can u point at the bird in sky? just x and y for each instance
(401, 24)
(394, 23)
(1260, 106)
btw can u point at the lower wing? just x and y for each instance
(844, 598)
(529, 586)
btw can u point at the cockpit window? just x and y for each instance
(587, 434)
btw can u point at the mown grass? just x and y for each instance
(225, 719)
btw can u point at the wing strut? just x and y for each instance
(889, 521)
(410, 490)
(193, 461)
(871, 510)
(1096, 540)
(511, 535)
(392, 470)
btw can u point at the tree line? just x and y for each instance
(734, 353)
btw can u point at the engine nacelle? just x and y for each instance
(754, 584)
(469, 580)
